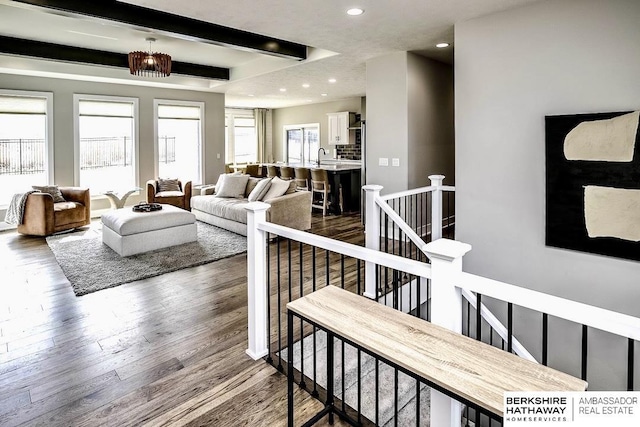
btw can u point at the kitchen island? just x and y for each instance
(341, 174)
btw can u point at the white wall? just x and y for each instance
(512, 69)
(63, 91)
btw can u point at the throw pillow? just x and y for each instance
(233, 186)
(278, 188)
(50, 189)
(168, 185)
(221, 180)
(260, 190)
(251, 184)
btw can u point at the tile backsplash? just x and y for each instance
(351, 151)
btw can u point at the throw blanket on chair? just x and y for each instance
(15, 212)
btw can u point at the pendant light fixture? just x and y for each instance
(149, 64)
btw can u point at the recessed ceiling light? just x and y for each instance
(306, 85)
(442, 45)
(332, 80)
(283, 89)
(250, 94)
(323, 94)
(355, 11)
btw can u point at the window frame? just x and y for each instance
(302, 127)
(156, 154)
(76, 133)
(48, 132)
(231, 114)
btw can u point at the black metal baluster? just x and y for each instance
(269, 358)
(330, 378)
(343, 385)
(478, 317)
(417, 402)
(395, 397)
(278, 266)
(358, 276)
(302, 384)
(342, 271)
(289, 267)
(326, 267)
(545, 337)
(289, 368)
(510, 327)
(630, 364)
(377, 397)
(584, 351)
(359, 386)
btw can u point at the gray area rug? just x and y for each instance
(90, 265)
(386, 380)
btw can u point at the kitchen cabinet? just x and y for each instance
(339, 128)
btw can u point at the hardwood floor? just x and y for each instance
(168, 350)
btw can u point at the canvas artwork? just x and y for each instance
(593, 183)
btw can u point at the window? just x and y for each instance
(302, 142)
(179, 130)
(26, 141)
(106, 142)
(241, 145)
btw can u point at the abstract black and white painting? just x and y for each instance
(593, 183)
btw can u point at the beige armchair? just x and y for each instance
(43, 217)
(180, 198)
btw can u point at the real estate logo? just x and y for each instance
(586, 409)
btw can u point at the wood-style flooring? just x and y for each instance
(168, 350)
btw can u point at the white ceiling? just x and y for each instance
(340, 44)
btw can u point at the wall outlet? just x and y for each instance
(218, 155)
(395, 162)
(383, 161)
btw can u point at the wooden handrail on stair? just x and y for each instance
(471, 370)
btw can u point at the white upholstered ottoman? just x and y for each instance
(130, 233)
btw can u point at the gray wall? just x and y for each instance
(387, 121)
(63, 91)
(314, 113)
(431, 136)
(512, 69)
(409, 117)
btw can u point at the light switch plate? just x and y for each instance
(395, 162)
(383, 161)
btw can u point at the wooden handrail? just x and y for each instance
(472, 370)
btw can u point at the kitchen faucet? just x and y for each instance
(323, 152)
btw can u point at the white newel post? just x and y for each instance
(436, 207)
(256, 280)
(371, 237)
(446, 303)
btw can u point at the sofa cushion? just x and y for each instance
(170, 194)
(50, 189)
(68, 213)
(293, 186)
(233, 186)
(278, 188)
(260, 190)
(228, 208)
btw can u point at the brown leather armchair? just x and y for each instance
(42, 217)
(181, 199)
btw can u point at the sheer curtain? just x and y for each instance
(260, 115)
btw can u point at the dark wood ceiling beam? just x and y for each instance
(174, 25)
(58, 52)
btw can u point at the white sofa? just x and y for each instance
(292, 209)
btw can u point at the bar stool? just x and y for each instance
(302, 176)
(272, 171)
(320, 185)
(286, 173)
(252, 170)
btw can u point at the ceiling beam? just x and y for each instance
(174, 25)
(59, 52)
